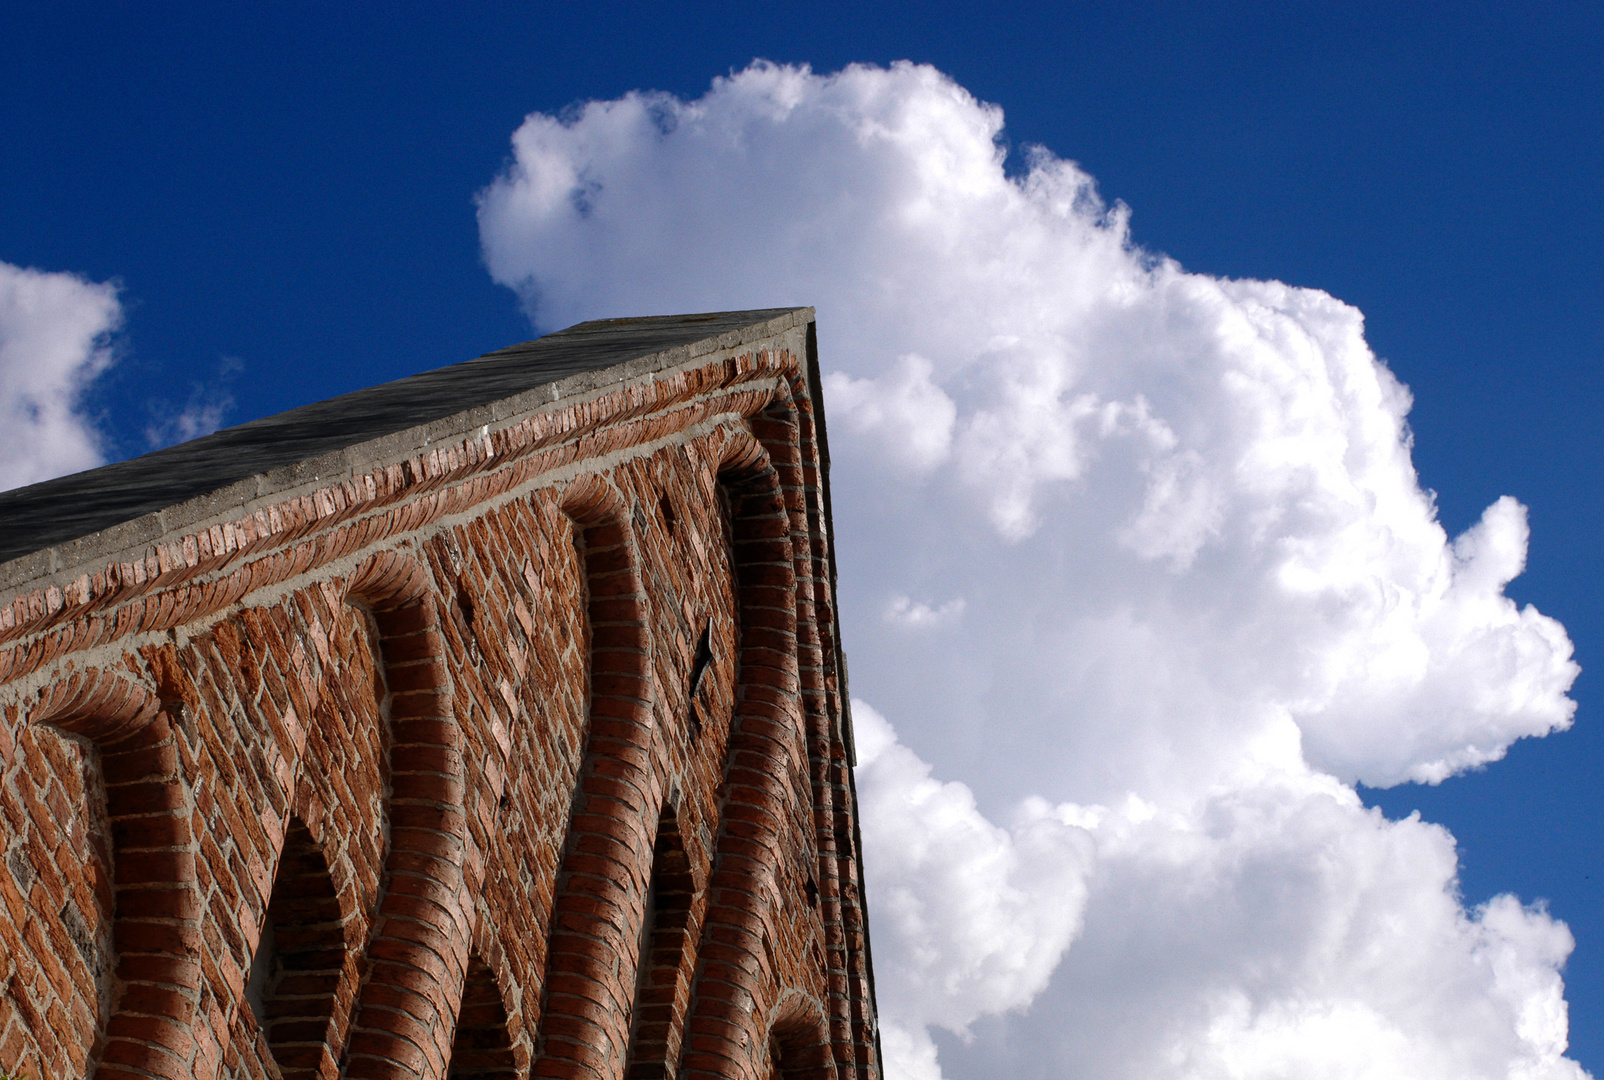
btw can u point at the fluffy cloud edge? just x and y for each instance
(1244, 457)
(56, 337)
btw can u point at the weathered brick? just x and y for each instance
(436, 755)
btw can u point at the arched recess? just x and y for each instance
(417, 951)
(300, 956)
(798, 1044)
(482, 1048)
(662, 985)
(591, 954)
(155, 927)
(723, 1037)
(790, 432)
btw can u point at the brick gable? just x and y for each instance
(395, 762)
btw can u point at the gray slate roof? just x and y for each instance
(358, 429)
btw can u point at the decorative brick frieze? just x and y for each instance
(508, 740)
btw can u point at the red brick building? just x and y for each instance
(488, 723)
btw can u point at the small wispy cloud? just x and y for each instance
(204, 412)
(906, 612)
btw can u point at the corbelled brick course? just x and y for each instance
(488, 724)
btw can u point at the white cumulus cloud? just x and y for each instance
(905, 412)
(1113, 832)
(980, 914)
(54, 339)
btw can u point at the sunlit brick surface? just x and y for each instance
(414, 772)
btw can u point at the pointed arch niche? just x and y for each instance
(482, 1048)
(300, 957)
(662, 983)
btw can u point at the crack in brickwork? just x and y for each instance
(525, 757)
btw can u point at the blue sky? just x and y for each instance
(286, 203)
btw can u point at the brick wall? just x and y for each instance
(522, 755)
